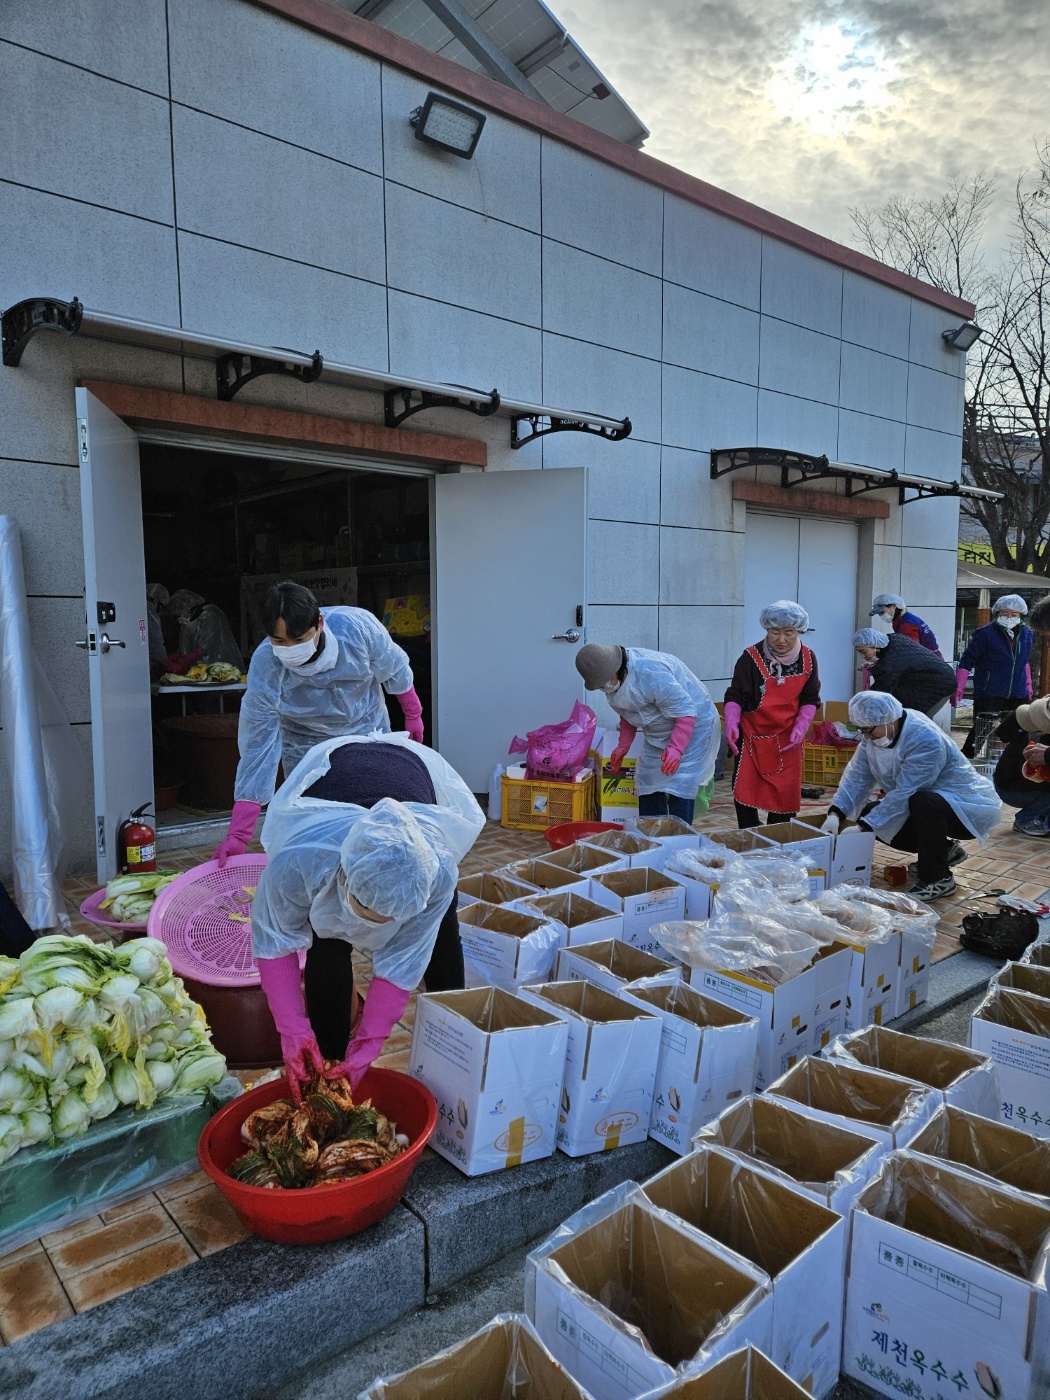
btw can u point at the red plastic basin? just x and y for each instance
(568, 832)
(318, 1213)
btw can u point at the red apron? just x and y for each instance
(770, 775)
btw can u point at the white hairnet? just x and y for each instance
(389, 865)
(870, 637)
(887, 600)
(873, 707)
(784, 613)
(1013, 601)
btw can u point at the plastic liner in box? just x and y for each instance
(504, 1360)
(977, 1144)
(133, 1150)
(953, 1069)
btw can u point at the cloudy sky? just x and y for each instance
(809, 106)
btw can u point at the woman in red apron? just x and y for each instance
(769, 707)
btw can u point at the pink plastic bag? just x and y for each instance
(557, 752)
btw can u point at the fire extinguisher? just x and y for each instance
(136, 844)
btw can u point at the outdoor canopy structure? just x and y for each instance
(858, 479)
(237, 363)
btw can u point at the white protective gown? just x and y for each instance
(924, 759)
(658, 690)
(287, 710)
(297, 898)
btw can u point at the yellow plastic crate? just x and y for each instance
(529, 806)
(824, 763)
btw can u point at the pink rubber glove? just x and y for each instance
(961, 677)
(413, 713)
(283, 985)
(732, 718)
(241, 829)
(384, 1006)
(676, 745)
(1028, 680)
(623, 743)
(800, 728)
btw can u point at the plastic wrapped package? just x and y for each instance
(739, 943)
(708, 864)
(647, 1285)
(997, 1225)
(132, 1151)
(504, 1360)
(784, 871)
(503, 947)
(964, 1077)
(798, 1242)
(806, 917)
(890, 1106)
(975, 1143)
(862, 923)
(210, 632)
(829, 1162)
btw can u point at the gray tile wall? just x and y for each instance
(203, 161)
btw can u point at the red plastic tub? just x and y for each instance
(568, 832)
(318, 1213)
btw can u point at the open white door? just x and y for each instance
(116, 642)
(510, 577)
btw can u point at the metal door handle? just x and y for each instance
(82, 645)
(105, 643)
(572, 635)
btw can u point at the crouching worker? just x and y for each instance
(364, 841)
(1022, 775)
(932, 796)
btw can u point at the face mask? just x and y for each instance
(296, 655)
(882, 743)
(1008, 622)
(882, 623)
(611, 688)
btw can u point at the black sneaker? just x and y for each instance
(956, 855)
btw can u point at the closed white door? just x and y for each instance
(814, 562)
(115, 639)
(510, 574)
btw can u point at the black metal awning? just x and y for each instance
(799, 467)
(237, 363)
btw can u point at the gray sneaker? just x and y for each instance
(1039, 826)
(936, 889)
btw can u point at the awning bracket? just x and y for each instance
(858, 479)
(234, 370)
(556, 424)
(22, 321)
(399, 404)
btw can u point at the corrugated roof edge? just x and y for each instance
(328, 19)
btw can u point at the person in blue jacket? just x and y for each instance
(892, 614)
(998, 656)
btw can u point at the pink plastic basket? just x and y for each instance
(90, 911)
(204, 920)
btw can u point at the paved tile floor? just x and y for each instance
(75, 1269)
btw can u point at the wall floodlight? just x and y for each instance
(962, 337)
(448, 124)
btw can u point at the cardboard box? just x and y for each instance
(800, 839)
(788, 1014)
(944, 1294)
(1037, 955)
(871, 996)
(972, 1143)
(708, 1056)
(644, 897)
(829, 1163)
(747, 1374)
(584, 921)
(611, 964)
(586, 860)
(1024, 977)
(541, 875)
(747, 839)
(852, 852)
(495, 1065)
(617, 799)
(959, 1076)
(913, 979)
(689, 1297)
(487, 1366)
(698, 893)
(1014, 1028)
(800, 1244)
(671, 833)
(610, 1066)
(491, 888)
(883, 1106)
(503, 947)
(631, 847)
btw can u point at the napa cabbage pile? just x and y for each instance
(86, 1029)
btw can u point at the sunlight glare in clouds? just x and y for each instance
(834, 74)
